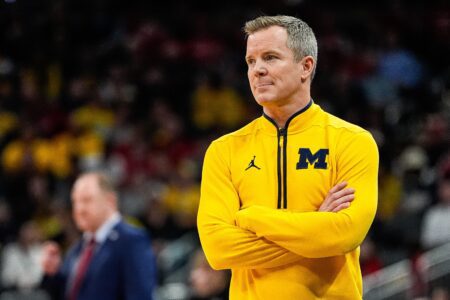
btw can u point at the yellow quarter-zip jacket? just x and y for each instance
(260, 192)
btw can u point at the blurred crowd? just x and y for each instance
(140, 89)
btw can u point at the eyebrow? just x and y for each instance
(265, 53)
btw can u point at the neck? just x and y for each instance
(98, 226)
(280, 114)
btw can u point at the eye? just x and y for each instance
(270, 57)
(250, 61)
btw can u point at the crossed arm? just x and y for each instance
(226, 245)
(261, 237)
(324, 233)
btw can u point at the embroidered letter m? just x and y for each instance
(307, 158)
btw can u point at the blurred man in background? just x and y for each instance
(111, 261)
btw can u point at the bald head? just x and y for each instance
(94, 200)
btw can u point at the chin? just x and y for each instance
(264, 100)
(260, 98)
(82, 226)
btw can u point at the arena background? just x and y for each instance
(140, 88)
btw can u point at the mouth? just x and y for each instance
(263, 84)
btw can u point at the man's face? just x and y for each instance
(90, 205)
(273, 74)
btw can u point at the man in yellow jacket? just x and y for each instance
(274, 204)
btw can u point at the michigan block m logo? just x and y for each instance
(307, 158)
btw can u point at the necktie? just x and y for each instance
(83, 264)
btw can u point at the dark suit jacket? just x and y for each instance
(123, 267)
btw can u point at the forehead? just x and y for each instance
(85, 187)
(273, 38)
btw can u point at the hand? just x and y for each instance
(51, 258)
(338, 198)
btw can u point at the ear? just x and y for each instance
(112, 200)
(307, 63)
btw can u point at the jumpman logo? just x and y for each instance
(252, 164)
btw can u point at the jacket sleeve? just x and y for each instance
(139, 268)
(56, 285)
(227, 246)
(323, 234)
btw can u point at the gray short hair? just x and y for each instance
(105, 182)
(300, 37)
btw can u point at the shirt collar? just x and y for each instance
(102, 233)
(300, 120)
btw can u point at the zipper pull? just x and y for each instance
(282, 131)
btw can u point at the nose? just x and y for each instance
(260, 68)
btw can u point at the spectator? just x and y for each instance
(207, 283)
(369, 257)
(21, 269)
(436, 223)
(216, 106)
